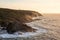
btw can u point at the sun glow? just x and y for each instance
(42, 6)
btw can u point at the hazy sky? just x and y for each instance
(43, 6)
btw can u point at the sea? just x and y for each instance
(48, 27)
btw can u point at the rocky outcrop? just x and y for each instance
(14, 27)
(14, 20)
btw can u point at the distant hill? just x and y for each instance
(17, 15)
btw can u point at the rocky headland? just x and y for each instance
(14, 20)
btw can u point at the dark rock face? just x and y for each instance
(13, 20)
(14, 27)
(4, 25)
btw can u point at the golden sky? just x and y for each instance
(42, 6)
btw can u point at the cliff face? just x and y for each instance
(17, 15)
(8, 16)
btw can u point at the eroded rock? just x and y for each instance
(13, 20)
(14, 27)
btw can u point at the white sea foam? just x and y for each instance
(34, 25)
(27, 34)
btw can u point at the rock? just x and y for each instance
(14, 27)
(13, 20)
(3, 25)
(17, 15)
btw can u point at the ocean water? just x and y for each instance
(48, 25)
(52, 23)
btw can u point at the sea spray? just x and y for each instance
(26, 35)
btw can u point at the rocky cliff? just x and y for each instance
(8, 17)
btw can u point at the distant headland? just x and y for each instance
(13, 20)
